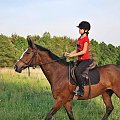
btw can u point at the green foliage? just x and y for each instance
(8, 52)
(12, 47)
(95, 50)
(19, 42)
(118, 58)
(105, 54)
(57, 45)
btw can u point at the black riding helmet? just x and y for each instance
(84, 25)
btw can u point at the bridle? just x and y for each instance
(27, 65)
(34, 60)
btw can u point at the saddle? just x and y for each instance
(91, 75)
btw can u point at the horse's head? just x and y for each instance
(28, 58)
(36, 55)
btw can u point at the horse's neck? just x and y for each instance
(48, 71)
(51, 68)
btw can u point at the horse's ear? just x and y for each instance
(30, 42)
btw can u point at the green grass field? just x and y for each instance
(30, 98)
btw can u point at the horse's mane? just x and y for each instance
(52, 55)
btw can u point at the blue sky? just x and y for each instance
(60, 17)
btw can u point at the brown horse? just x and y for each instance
(56, 71)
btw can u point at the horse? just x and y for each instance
(56, 72)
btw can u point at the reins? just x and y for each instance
(61, 58)
(34, 59)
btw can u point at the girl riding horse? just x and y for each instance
(83, 55)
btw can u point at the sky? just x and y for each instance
(60, 18)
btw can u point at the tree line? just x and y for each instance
(12, 47)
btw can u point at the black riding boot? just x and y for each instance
(80, 91)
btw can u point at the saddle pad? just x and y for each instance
(94, 77)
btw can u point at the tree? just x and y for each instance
(95, 51)
(47, 35)
(113, 54)
(12, 47)
(8, 52)
(21, 43)
(118, 58)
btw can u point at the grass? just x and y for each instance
(30, 98)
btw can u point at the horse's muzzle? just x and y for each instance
(18, 69)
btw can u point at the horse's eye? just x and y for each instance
(27, 53)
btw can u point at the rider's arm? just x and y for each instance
(73, 52)
(79, 53)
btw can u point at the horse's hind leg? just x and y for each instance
(116, 90)
(69, 110)
(108, 102)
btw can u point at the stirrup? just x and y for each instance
(77, 92)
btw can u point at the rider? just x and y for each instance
(83, 55)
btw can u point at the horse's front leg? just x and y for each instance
(69, 110)
(54, 109)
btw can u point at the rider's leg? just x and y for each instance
(82, 65)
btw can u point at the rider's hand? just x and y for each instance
(70, 55)
(66, 54)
